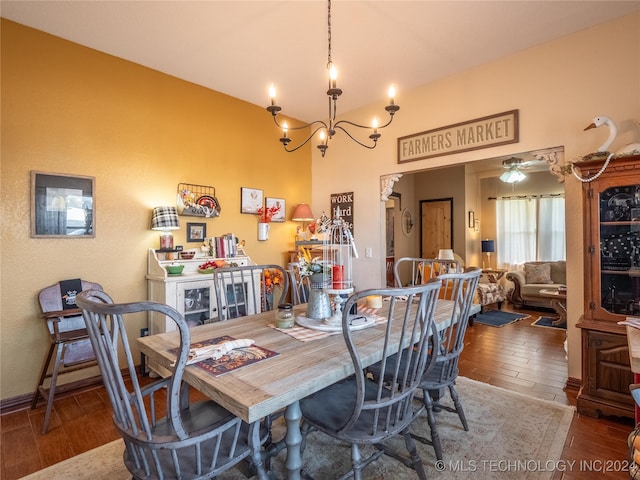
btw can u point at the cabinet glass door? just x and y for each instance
(619, 209)
(196, 301)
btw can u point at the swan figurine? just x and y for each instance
(613, 133)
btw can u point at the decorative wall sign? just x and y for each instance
(485, 132)
(62, 205)
(345, 202)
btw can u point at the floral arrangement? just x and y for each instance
(265, 214)
(308, 266)
(272, 278)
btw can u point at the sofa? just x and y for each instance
(534, 277)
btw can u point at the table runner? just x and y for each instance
(307, 334)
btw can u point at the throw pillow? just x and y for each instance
(537, 273)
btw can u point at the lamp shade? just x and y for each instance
(302, 213)
(165, 219)
(512, 176)
(445, 254)
(488, 246)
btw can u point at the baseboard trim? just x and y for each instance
(23, 402)
(573, 383)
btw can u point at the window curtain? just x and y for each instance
(551, 233)
(529, 229)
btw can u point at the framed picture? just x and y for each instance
(250, 200)
(472, 219)
(62, 205)
(196, 232)
(277, 202)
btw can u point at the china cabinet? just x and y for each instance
(191, 293)
(612, 282)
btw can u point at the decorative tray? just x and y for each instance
(358, 322)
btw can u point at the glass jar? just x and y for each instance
(284, 316)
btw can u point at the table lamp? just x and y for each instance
(445, 254)
(165, 219)
(302, 213)
(488, 247)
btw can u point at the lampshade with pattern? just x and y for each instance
(165, 219)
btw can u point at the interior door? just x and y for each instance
(436, 226)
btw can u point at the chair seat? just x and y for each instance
(200, 416)
(436, 378)
(70, 336)
(330, 409)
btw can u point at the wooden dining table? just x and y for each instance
(301, 368)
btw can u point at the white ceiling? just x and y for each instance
(240, 47)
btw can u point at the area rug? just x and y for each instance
(498, 318)
(510, 436)
(548, 322)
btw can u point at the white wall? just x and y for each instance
(557, 87)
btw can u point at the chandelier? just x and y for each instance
(326, 130)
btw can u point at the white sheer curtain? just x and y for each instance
(515, 231)
(529, 229)
(551, 234)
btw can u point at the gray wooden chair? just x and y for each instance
(68, 336)
(459, 289)
(249, 289)
(191, 440)
(415, 271)
(364, 411)
(300, 284)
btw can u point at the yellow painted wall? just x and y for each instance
(558, 87)
(72, 110)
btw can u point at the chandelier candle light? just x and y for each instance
(327, 131)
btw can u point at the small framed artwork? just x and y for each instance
(279, 216)
(472, 219)
(250, 200)
(62, 205)
(196, 232)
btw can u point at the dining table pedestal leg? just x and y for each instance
(293, 440)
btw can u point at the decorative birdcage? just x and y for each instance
(338, 252)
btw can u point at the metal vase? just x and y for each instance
(319, 305)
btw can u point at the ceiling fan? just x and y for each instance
(514, 165)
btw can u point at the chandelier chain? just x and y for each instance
(329, 33)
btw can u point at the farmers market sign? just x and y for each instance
(485, 132)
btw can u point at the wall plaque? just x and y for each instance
(345, 202)
(485, 132)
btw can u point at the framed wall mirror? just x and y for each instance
(62, 205)
(407, 222)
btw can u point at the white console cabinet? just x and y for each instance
(191, 293)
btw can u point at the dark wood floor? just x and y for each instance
(519, 357)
